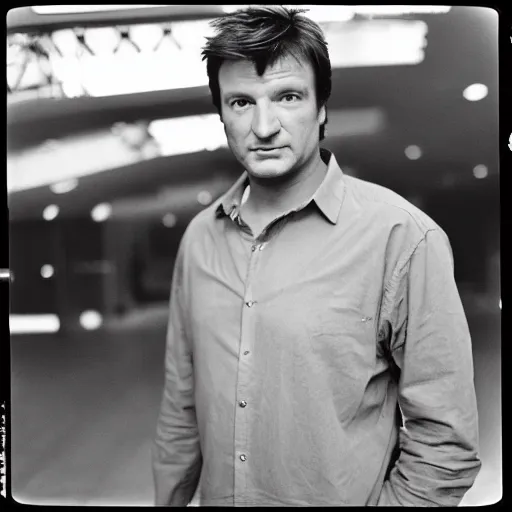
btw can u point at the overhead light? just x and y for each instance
(150, 150)
(500, 304)
(101, 40)
(34, 324)
(413, 152)
(228, 9)
(50, 212)
(475, 92)
(76, 156)
(204, 197)
(81, 9)
(6, 275)
(133, 134)
(190, 134)
(397, 10)
(47, 271)
(113, 74)
(91, 320)
(377, 43)
(169, 220)
(62, 187)
(345, 11)
(480, 171)
(101, 212)
(146, 36)
(326, 13)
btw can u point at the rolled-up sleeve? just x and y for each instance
(176, 450)
(431, 344)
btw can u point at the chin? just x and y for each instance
(270, 168)
(268, 171)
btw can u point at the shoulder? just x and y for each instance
(387, 208)
(403, 224)
(376, 199)
(202, 228)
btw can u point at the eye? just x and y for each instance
(290, 98)
(240, 103)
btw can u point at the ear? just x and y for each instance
(322, 115)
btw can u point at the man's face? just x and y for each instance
(271, 121)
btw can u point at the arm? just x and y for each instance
(176, 450)
(431, 344)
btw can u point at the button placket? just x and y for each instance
(243, 389)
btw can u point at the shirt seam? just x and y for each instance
(398, 273)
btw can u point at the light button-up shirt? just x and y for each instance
(349, 311)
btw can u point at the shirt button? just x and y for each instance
(243, 403)
(243, 457)
(246, 352)
(261, 247)
(253, 248)
(250, 303)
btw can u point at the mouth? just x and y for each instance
(267, 150)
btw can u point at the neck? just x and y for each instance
(273, 196)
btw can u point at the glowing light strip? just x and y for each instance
(330, 13)
(318, 12)
(400, 9)
(69, 158)
(378, 43)
(34, 324)
(77, 9)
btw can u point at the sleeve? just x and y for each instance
(176, 454)
(431, 344)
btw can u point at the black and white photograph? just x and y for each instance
(254, 256)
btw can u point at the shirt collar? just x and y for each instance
(328, 197)
(231, 200)
(330, 193)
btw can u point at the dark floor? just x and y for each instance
(84, 411)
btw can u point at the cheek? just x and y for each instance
(234, 132)
(304, 129)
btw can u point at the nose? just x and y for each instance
(265, 123)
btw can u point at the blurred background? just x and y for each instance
(114, 145)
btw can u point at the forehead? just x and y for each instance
(242, 73)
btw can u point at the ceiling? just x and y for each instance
(423, 106)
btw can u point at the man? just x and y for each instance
(311, 313)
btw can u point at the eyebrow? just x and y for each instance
(284, 89)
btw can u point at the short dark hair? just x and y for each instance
(264, 34)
